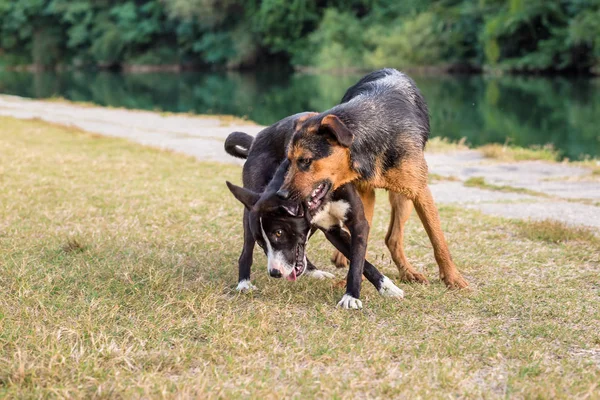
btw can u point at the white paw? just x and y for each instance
(388, 288)
(349, 302)
(245, 286)
(318, 274)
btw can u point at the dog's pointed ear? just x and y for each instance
(293, 209)
(339, 130)
(247, 197)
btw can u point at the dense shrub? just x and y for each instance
(419, 41)
(517, 35)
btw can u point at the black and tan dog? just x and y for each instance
(281, 227)
(375, 138)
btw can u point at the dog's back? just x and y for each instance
(387, 101)
(388, 117)
(364, 84)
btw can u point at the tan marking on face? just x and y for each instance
(294, 174)
(296, 149)
(297, 152)
(300, 121)
(299, 181)
(335, 168)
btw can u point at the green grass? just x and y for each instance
(118, 265)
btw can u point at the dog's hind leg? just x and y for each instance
(245, 260)
(410, 179)
(339, 260)
(428, 214)
(367, 196)
(401, 209)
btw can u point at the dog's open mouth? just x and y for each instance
(299, 265)
(317, 196)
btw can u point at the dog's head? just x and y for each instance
(319, 156)
(279, 227)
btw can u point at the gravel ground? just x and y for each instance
(573, 190)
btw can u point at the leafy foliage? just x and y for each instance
(516, 35)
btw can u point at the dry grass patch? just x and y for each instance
(592, 163)
(515, 153)
(441, 145)
(479, 181)
(118, 265)
(441, 178)
(557, 232)
(73, 245)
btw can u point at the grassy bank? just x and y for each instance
(117, 270)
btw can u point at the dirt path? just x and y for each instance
(566, 193)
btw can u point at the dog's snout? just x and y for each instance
(283, 194)
(275, 273)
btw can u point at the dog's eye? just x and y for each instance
(304, 162)
(278, 233)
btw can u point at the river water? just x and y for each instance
(520, 110)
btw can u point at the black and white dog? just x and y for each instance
(282, 227)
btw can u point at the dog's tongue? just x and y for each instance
(292, 277)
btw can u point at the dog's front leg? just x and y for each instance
(356, 222)
(245, 260)
(354, 219)
(341, 241)
(359, 233)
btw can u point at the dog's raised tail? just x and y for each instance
(238, 144)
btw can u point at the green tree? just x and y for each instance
(513, 35)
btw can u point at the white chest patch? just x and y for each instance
(333, 213)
